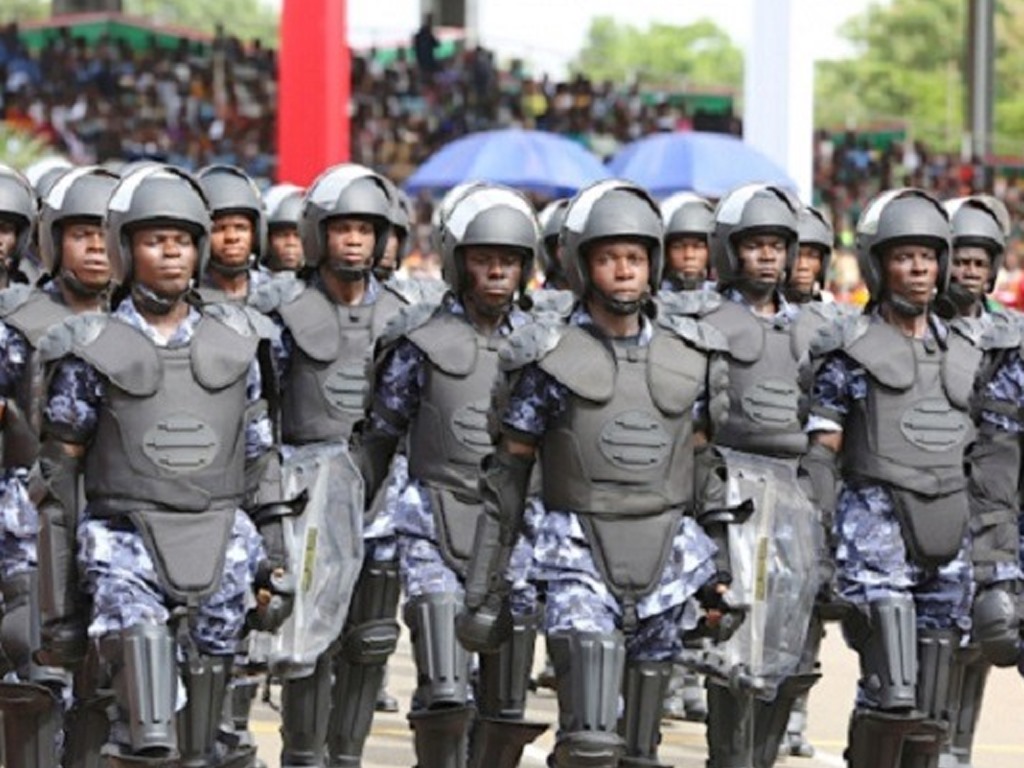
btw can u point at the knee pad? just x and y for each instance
(889, 654)
(206, 680)
(936, 650)
(644, 690)
(305, 709)
(996, 626)
(31, 721)
(442, 663)
(376, 593)
(505, 675)
(588, 672)
(370, 642)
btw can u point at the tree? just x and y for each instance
(696, 55)
(910, 65)
(245, 19)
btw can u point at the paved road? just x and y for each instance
(1000, 737)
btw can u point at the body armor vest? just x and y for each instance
(912, 428)
(32, 313)
(177, 442)
(766, 404)
(623, 458)
(327, 384)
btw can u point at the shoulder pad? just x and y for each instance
(693, 303)
(242, 319)
(1004, 333)
(449, 341)
(745, 333)
(70, 334)
(313, 323)
(695, 332)
(117, 350)
(548, 301)
(832, 337)
(269, 296)
(415, 290)
(884, 352)
(13, 297)
(530, 342)
(223, 347)
(808, 324)
(582, 363)
(407, 319)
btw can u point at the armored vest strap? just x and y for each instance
(313, 323)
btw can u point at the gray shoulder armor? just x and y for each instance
(13, 297)
(71, 334)
(243, 320)
(224, 345)
(548, 301)
(583, 364)
(695, 332)
(269, 296)
(407, 319)
(834, 336)
(313, 322)
(415, 290)
(449, 341)
(693, 303)
(530, 342)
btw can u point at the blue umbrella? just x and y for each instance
(532, 160)
(709, 164)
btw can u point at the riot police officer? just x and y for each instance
(238, 237)
(814, 254)
(157, 408)
(17, 217)
(689, 223)
(283, 203)
(890, 405)
(581, 393)
(551, 219)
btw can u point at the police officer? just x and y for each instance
(434, 384)
(238, 237)
(17, 217)
(330, 322)
(689, 222)
(551, 218)
(283, 203)
(753, 247)
(399, 242)
(814, 253)
(890, 405)
(157, 408)
(582, 393)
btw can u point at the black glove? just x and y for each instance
(722, 618)
(274, 584)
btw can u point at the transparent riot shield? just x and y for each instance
(326, 545)
(775, 567)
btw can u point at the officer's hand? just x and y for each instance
(485, 628)
(275, 598)
(62, 644)
(721, 618)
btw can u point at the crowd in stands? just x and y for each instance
(214, 102)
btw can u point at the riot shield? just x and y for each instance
(775, 557)
(326, 545)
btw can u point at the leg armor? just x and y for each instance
(887, 645)
(973, 671)
(730, 732)
(588, 670)
(936, 649)
(644, 695)
(500, 733)
(441, 736)
(143, 671)
(87, 725)
(305, 707)
(206, 681)
(772, 718)
(369, 638)
(876, 738)
(385, 701)
(442, 664)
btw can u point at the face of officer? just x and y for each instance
(8, 238)
(350, 242)
(231, 239)
(492, 275)
(620, 268)
(762, 257)
(687, 256)
(971, 267)
(164, 259)
(83, 253)
(806, 269)
(286, 247)
(911, 272)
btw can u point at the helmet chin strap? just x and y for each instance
(150, 301)
(795, 296)
(70, 280)
(759, 289)
(680, 283)
(961, 297)
(617, 306)
(383, 273)
(905, 308)
(230, 270)
(348, 274)
(490, 311)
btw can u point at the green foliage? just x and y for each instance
(245, 19)
(695, 55)
(909, 65)
(19, 149)
(24, 10)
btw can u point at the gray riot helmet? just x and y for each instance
(605, 210)
(489, 214)
(43, 174)
(18, 205)
(815, 232)
(229, 190)
(283, 205)
(401, 218)
(896, 217)
(345, 191)
(980, 221)
(551, 218)
(686, 214)
(80, 195)
(443, 209)
(751, 210)
(154, 196)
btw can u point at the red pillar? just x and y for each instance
(314, 81)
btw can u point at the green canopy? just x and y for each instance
(93, 27)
